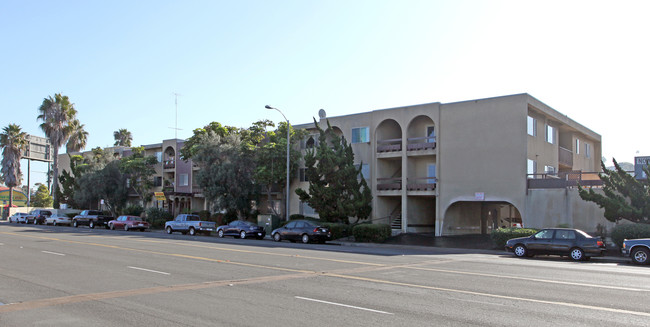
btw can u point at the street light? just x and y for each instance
(288, 154)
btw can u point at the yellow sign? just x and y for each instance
(160, 196)
(20, 199)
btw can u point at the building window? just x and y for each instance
(431, 134)
(431, 173)
(532, 126)
(306, 210)
(157, 181)
(361, 135)
(588, 150)
(549, 170)
(308, 142)
(158, 156)
(303, 174)
(183, 180)
(365, 171)
(550, 134)
(577, 146)
(532, 168)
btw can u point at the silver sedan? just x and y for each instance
(57, 219)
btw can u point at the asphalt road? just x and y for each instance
(61, 276)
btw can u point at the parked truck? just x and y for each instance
(186, 223)
(91, 218)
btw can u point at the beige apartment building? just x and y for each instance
(469, 167)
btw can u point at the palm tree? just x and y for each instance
(13, 142)
(122, 137)
(56, 113)
(78, 137)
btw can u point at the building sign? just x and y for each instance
(160, 196)
(639, 163)
(20, 199)
(39, 149)
(479, 196)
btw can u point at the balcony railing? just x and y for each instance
(169, 164)
(390, 145)
(197, 190)
(389, 184)
(565, 157)
(421, 184)
(564, 180)
(421, 143)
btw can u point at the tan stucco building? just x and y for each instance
(466, 167)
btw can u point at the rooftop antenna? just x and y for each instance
(175, 128)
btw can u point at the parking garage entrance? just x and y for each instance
(479, 217)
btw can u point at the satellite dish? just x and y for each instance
(322, 114)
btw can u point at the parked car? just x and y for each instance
(302, 230)
(241, 229)
(40, 215)
(558, 241)
(187, 223)
(637, 249)
(128, 223)
(91, 218)
(57, 219)
(18, 217)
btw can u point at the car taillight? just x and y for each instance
(316, 230)
(200, 224)
(600, 243)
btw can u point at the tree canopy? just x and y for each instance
(336, 190)
(624, 196)
(122, 137)
(13, 142)
(42, 197)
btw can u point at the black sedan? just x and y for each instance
(558, 241)
(241, 229)
(302, 230)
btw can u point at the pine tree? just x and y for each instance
(624, 197)
(335, 190)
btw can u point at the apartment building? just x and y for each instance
(469, 167)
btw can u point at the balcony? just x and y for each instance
(392, 145)
(564, 180)
(421, 184)
(389, 184)
(421, 143)
(197, 189)
(565, 158)
(169, 164)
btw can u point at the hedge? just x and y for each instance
(629, 231)
(502, 235)
(338, 230)
(376, 233)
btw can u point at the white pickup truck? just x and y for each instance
(186, 223)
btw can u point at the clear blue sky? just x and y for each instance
(121, 61)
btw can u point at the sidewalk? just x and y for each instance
(458, 244)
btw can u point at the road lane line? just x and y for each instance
(505, 297)
(343, 305)
(149, 270)
(48, 252)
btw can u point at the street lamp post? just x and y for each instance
(288, 154)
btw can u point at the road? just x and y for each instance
(62, 276)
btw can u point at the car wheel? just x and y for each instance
(192, 231)
(111, 226)
(304, 238)
(75, 224)
(242, 234)
(168, 230)
(91, 224)
(277, 237)
(126, 228)
(640, 256)
(577, 254)
(520, 250)
(220, 233)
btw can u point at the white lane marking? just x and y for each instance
(48, 252)
(531, 279)
(2, 244)
(149, 270)
(342, 305)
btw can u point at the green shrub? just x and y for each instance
(133, 210)
(628, 231)
(338, 230)
(502, 235)
(296, 216)
(157, 217)
(376, 233)
(204, 214)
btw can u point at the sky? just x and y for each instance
(124, 63)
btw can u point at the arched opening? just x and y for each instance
(421, 134)
(389, 136)
(479, 217)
